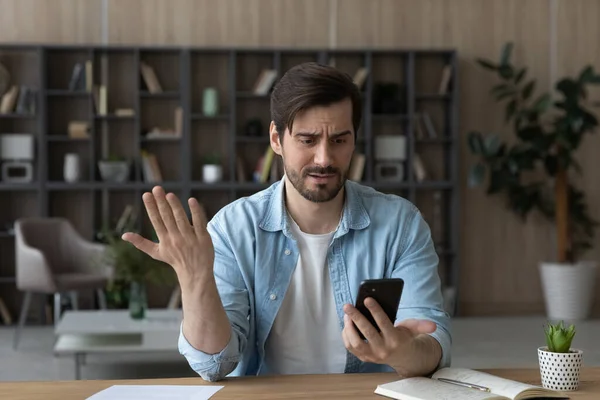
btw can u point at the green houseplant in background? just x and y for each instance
(533, 170)
(560, 365)
(133, 269)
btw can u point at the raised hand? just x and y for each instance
(188, 248)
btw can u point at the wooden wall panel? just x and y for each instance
(56, 21)
(220, 22)
(577, 46)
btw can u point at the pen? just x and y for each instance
(465, 384)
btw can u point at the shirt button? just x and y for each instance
(273, 296)
(287, 252)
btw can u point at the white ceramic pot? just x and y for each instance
(114, 171)
(568, 289)
(560, 371)
(71, 167)
(212, 173)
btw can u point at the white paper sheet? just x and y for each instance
(150, 392)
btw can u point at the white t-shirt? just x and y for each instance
(306, 337)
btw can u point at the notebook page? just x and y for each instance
(430, 389)
(498, 385)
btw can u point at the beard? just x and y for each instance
(324, 191)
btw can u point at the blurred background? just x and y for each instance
(481, 113)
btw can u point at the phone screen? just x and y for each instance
(387, 293)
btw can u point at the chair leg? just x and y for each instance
(57, 306)
(101, 299)
(22, 317)
(74, 300)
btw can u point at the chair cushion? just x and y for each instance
(78, 281)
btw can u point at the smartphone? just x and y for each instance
(387, 293)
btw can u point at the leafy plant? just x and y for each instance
(114, 158)
(559, 337)
(532, 169)
(211, 159)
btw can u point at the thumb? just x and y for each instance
(417, 326)
(141, 243)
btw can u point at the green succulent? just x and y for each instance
(559, 337)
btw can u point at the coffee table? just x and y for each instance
(113, 331)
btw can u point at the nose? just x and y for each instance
(323, 156)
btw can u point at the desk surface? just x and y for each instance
(341, 386)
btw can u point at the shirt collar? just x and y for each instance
(354, 215)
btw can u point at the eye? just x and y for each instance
(307, 141)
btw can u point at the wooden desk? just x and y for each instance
(348, 387)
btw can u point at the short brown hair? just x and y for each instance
(308, 85)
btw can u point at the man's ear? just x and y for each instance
(274, 139)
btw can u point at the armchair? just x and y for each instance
(53, 258)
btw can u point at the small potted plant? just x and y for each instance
(559, 363)
(114, 169)
(212, 170)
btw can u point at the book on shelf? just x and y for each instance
(360, 77)
(26, 101)
(445, 80)
(357, 167)
(77, 74)
(429, 126)
(464, 384)
(82, 77)
(150, 78)
(265, 81)
(150, 168)
(9, 100)
(419, 168)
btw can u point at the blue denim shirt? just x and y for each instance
(379, 236)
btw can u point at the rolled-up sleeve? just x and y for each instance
(422, 298)
(234, 296)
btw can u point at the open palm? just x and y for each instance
(188, 248)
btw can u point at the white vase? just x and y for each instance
(71, 168)
(212, 173)
(560, 371)
(568, 289)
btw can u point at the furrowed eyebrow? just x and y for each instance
(313, 134)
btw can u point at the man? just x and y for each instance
(268, 285)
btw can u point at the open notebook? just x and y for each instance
(421, 388)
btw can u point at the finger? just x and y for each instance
(154, 215)
(354, 341)
(181, 218)
(363, 325)
(165, 210)
(417, 326)
(142, 244)
(344, 332)
(383, 321)
(199, 219)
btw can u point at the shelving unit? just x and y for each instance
(184, 72)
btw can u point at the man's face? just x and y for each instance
(317, 153)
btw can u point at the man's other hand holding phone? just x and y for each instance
(400, 346)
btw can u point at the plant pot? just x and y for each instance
(212, 173)
(114, 171)
(560, 371)
(568, 290)
(138, 303)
